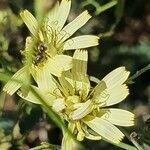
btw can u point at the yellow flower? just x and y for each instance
(49, 40)
(53, 37)
(52, 30)
(88, 109)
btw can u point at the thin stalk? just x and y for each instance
(122, 145)
(137, 74)
(105, 7)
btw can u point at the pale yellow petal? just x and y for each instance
(80, 55)
(79, 77)
(80, 59)
(67, 87)
(73, 26)
(69, 78)
(59, 104)
(82, 111)
(79, 72)
(30, 22)
(51, 18)
(63, 13)
(94, 79)
(113, 96)
(58, 64)
(57, 17)
(99, 89)
(79, 42)
(45, 81)
(116, 77)
(90, 136)
(82, 86)
(93, 137)
(64, 61)
(58, 92)
(104, 128)
(53, 67)
(118, 117)
(16, 81)
(43, 78)
(31, 97)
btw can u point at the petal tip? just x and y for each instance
(87, 13)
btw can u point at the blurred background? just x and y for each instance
(124, 30)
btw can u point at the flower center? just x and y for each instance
(76, 109)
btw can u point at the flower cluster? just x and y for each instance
(48, 42)
(87, 109)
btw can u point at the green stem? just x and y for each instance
(106, 6)
(126, 146)
(137, 145)
(122, 145)
(99, 8)
(137, 74)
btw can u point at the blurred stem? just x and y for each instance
(45, 145)
(137, 74)
(118, 15)
(99, 8)
(136, 144)
(126, 146)
(123, 145)
(132, 139)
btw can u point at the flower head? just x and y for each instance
(88, 109)
(48, 42)
(52, 37)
